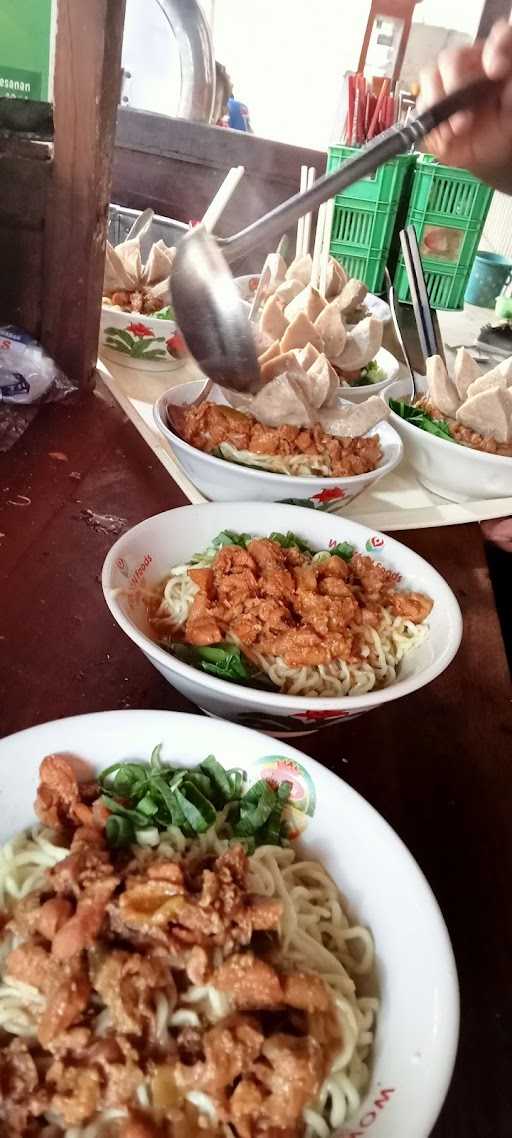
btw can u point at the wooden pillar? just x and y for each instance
(86, 95)
(493, 10)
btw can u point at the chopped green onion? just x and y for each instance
(343, 550)
(229, 537)
(198, 821)
(155, 760)
(218, 777)
(117, 808)
(237, 780)
(147, 798)
(289, 541)
(254, 814)
(147, 805)
(149, 837)
(119, 831)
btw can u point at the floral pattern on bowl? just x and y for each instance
(137, 341)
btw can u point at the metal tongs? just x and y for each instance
(206, 301)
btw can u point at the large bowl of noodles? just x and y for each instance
(153, 573)
(92, 1057)
(236, 476)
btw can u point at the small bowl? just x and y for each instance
(390, 368)
(141, 342)
(448, 469)
(418, 1016)
(143, 556)
(223, 481)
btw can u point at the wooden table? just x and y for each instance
(436, 765)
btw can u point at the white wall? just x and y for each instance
(287, 59)
(461, 15)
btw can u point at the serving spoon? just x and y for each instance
(208, 307)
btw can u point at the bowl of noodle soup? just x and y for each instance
(303, 478)
(147, 586)
(390, 984)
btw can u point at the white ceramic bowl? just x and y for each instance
(417, 1026)
(138, 341)
(390, 369)
(145, 554)
(223, 481)
(452, 471)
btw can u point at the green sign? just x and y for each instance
(26, 31)
(16, 83)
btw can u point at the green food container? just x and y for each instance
(447, 208)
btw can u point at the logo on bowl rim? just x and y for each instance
(371, 1115)
(374, 543)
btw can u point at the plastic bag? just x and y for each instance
(28, 378)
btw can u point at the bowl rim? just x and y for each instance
(303, 480)
(467, 452)
(276, 700)
(113, 721)
(160, 322)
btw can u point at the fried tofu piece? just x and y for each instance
(301, 269)
(300, 332)
(466, 371)
(308, 301)
(332, 330)
(489, 413)
(442, 391)
(273, 321)
(361, 345)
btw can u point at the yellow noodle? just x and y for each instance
(316, 934)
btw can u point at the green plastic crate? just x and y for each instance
(447, 208)
(445, 288)
(383, 187)
(442, 192)
(362, 266)
(366, 216)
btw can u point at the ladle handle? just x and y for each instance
(397, 140)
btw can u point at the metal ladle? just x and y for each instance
(208, 307)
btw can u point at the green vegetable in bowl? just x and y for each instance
(372, 373)
(226, 661)
(290, 540)
(147, 798)
(343, 550)
(166, 313)
(421, 419)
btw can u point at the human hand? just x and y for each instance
(480, 140)
(499, 532)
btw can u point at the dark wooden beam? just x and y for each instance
(26, 118)
(176, 167)
(86, 94)
(493, 10)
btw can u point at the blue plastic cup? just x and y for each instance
(489, 275)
